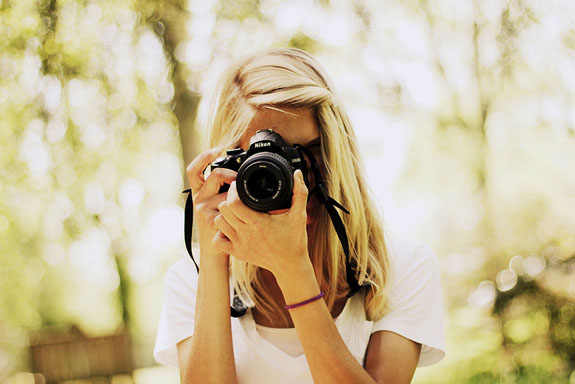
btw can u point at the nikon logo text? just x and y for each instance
(260, 145)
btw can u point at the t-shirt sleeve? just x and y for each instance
(416, 305)
(177, 318)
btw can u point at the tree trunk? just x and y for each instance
(173, 19)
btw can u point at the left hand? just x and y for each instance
(275, 242)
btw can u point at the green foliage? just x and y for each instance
(86, 121)
(239, 9)
(98, 101)
(303, 41)
(536, 313)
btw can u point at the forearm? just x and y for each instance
(328, 357)
(211, 358)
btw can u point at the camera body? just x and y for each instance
(265, 171)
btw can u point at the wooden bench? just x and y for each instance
(68, 354)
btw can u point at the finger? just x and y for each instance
(223, 243)
(224, 227)
(230, 217)
(214, 182)
(214, 202)
(209, 206)
(238, 208)
(299, 199)
(195, 170)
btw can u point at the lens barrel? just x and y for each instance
(265, 182)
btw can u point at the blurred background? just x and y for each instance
(464, 111)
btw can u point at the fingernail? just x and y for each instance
(299, 174)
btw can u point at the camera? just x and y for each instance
(265, 171)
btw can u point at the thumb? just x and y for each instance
(299, 199)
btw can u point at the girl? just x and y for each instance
(305, 323)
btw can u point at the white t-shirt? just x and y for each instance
(266, 355)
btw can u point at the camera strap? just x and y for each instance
(238, 308)
(330, 204)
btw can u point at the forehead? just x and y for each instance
(296, 126)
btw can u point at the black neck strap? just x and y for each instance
(330, 204)
(238, 308)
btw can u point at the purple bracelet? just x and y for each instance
(305, 301)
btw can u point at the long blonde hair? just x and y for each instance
(290, 77)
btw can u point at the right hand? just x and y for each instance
(206, 200)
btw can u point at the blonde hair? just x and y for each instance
(292, 78)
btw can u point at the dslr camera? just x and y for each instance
(265, 171)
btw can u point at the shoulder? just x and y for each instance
(411, 262)
(415, 298)
(182, 267)
(410, 255)
(181, 278)
(177, 319)
(414, 271)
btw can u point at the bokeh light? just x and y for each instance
(464, 115)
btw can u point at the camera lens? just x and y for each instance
(265, 182)
(262, 184)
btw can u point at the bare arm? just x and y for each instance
(390, 358)
(208, 356)
(265, 242)
(329, 359)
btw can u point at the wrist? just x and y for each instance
(298, 282)
(293, 270)
(214, 260)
